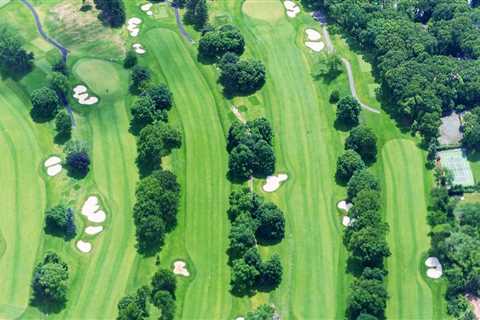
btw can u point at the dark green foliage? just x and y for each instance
(164, 280)
(49, 283)
(367, 297)
(271, 223)
(228, 58)
(243, 78)
(59, 83)
(347, 164)
(263, 312)
(134, 307)
(130, 59)
(155, 211)
(45, 104)
(364, 142)
(164, 301)
(63, 125)
(243, 277)
(179, 3)
(334, 96)
(145, 112)
(361, 180)
(59, 221)
(214, 44)
(348, 110)
(369, 246)
(139, 79)
(242, 238)
(60, 66)
(154, 142)
(14, 60)
(161, 96)
(270, 274)
(77, 159)
(112, 12)
(196, 13)
(471, 130)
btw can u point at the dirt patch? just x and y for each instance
(79, 30)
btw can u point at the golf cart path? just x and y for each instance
(181, 27)
(348, 66)
(56, 44)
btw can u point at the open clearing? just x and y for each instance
(410, 295)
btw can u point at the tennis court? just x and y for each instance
(456, 161)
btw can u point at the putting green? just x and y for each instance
(100, 76)
(206, 190)
(268, 10)
(406, 209)
(22, 201)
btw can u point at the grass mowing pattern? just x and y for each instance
(23, 200)
(410, 295)
(206, 188)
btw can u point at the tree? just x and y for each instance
(334, 96)
(271, 222)
(243, 278)
(263, 312)
(228, 58)
(59, 83)
(240, 162)
(189, 15)
(214, 44)
(60, 66)
(271, 273)
(348, 110)
(161, 96)
(243, 201)
(130, 59)
(264, 162)
(164, 301)
(59, 221)
(154, 142)
(63, 125)
(139, 79)
(243, 78)
(367, 297)
(200, 16)
(164, 280)
(112, 12)
(78, 164)
(241, 237)
(134, 307)
(150, 234)
(369, 246)
(428, 126)
(361, 180)
(347, 164)
(144, 112)
(50, 279)
(45, 104)
(14, 60)
(252, 258)
(364, 142)
(263, 128)
(471, 130)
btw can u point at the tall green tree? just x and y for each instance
(14, 59)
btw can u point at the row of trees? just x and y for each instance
(224, 45)
(160, 293)
(254, 221)
(424, 52)
(250, 148)
(196, 13)
(455, 240)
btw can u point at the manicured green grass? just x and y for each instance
(99, 75)
(269, 10)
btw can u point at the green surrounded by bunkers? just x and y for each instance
(105, 266)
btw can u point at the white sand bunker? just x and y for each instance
(93, 230)
(138, 48)
(344, 205)
(292, 8)
(84, 246)
(273, 182)
(313, 35)
(346, 221)
(180, 268)
(133, 26)
(315, 46)
(91, 210)
(435, 269)
(80, 93)
(146, 8)
(53, 166)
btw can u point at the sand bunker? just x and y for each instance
(91, 210)
(80, 93)
(315, 46)
(313, 35)
(180, 268)
(346, 221)
(53, 166)
(292, 8)
(84, 246)
(146, 8)
(93, 230)
(138, 48)
(273, 182)
(133, 26)
(344, 205)
(435, 269)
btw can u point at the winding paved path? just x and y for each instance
(180, 25)
(56, 44)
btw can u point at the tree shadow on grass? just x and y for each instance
(76, 174)
(67, 236)
(39, 118)
(342, 126)
(61, 139)
(267, 242)
(47, 307)
(354, 266)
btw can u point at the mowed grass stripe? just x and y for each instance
(313, 286)
(206, 188)
(411, 297)
(22, 203)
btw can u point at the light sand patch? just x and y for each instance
(149, 13)
(138, 48)
(90, 209)
(52, 161)
(84, 246)
(313, 35)
(346, 221)
(273, 182)
(80, 93)
(133, 26)
(97, 217)
(93, 230)
(292, 8)
(435, 269)
(146, 7)
(315, 46)
(344, 205)
(239, 318)
(180, 268)
(475, 302)
(54, 170)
